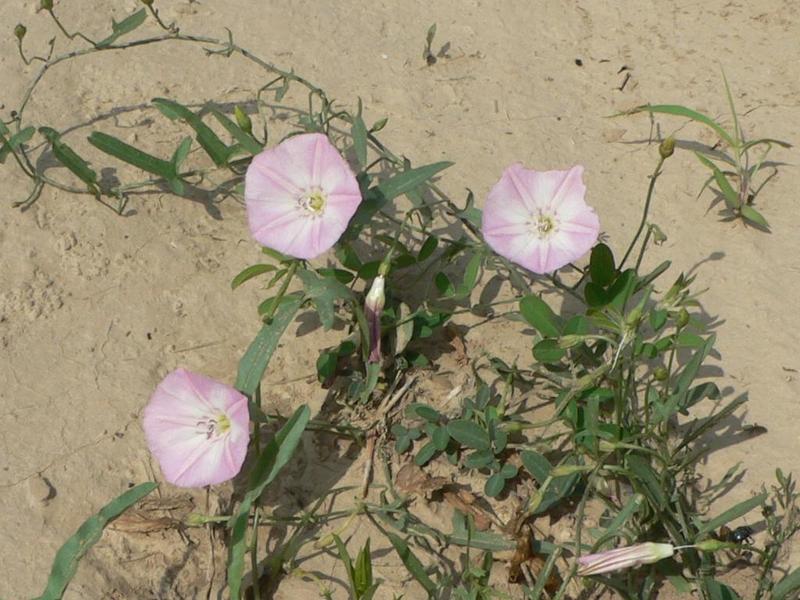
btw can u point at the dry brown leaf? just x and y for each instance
(410, 479)
(141, 522)
(464, 501)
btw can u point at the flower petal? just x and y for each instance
(280, 178)
(197, 428)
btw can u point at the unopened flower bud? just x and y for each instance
(46, 5)
(373, 308)
(570, 341)
(683, 318)
(659, 237)
(242, 117)
(19, 31)
(624, 558)
(147, 2)
(660, 374)
(712, 545)
(195, 520)
(667, 147)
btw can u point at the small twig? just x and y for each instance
(371, 439)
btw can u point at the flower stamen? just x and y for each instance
(313, 202)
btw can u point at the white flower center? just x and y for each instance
(313, 202)
(214, 426)
(544, 225)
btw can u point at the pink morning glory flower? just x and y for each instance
(197, 428)
(538, 219)
(300, 196)
(624, 558)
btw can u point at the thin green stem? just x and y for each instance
(645, 212)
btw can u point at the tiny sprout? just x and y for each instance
(667, 147)
(19, 31)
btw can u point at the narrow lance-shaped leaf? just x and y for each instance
(14, 142)
(728, 193)
(247, 141)
(259, 353)
(359, 133)
(413, 564)
(69, 555)
(133, 156)
(70, 159)
(127, 25)
(206, 137)
(408, 180)
(269, 463)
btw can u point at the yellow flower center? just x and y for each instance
(313, 202)
(544, 225)
(214, 426)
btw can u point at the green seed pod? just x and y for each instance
(683, 318)
(712, 545)
(243, 119)
(19, 31)
(660, 374)
(667, 147)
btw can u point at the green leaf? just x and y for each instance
(269, 463)
(324, 292)
(548, 351)
(14, 142)
(786, 585)
(482, 540)
(752, 215)
(538, 314)
(631, 508)
(428, 248)
(70, 159)
(444, 285)
(127, 153)
(344, 556)
(359, 133)
(124, 27)
(646, 477)
(440, 438)
(471, 273)
(494, 485)
(363, 572)
(537, 465)
(469, 434)
(258, 354)
(250, 272)
(70, 554)
(247, 141)
(682, 111)
(736, 511)
(181, 152)
(426, 453)
(409, 180)
(728, 193)
(206, 137)
(720, 591)
(413, 564)
(601, 265)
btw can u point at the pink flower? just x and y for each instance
(197, 428)
(624, 558)
(300, 196)
(538, 219)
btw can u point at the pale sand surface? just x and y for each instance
(95, 309)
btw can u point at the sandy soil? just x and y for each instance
(95, 309)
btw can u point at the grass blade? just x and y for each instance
(70, 554)
(732, 513)
(682, 111)
(413, 564)
(728, 193)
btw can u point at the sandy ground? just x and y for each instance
(95, 309)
